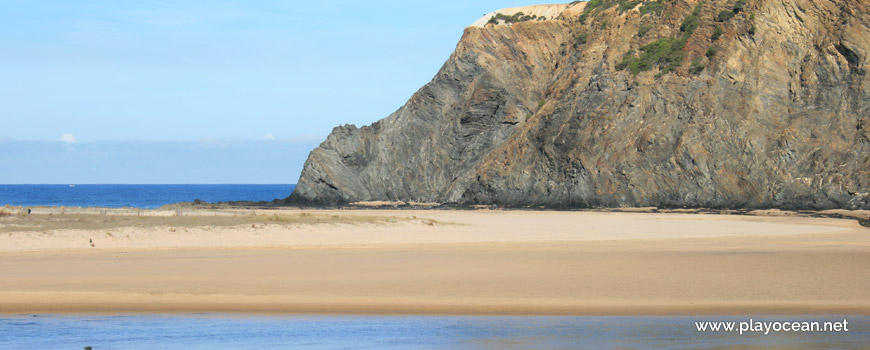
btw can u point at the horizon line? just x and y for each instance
(140, 184)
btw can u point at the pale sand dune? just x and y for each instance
(547, 11)
(501, 262)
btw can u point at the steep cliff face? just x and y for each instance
(721, 103)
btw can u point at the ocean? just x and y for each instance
(135, 196)
(239, 332)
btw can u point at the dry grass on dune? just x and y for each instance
(35, 223)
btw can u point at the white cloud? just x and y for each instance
(268, 137)
(69, 139)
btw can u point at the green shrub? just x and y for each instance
(711, 52)
(717, 32)
(739, 5)
(603, 24)
(665, 53)
(725, 16)
(594, 7)
(515, 18)
(628, 5)
(697, 11)
(697, 66)
(692, 22)
(652, 7)
(580, 39)
(643, 30)
(627, 60)
(599, 5)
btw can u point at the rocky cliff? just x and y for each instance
(607, 103)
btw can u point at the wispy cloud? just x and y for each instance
(268, 137)
(69, 139)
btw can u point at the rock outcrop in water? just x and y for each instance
(721, 103)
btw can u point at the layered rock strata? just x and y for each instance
(722, 103)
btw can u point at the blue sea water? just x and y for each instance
(238, 332)
(135, 196)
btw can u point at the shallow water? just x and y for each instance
(213, 331)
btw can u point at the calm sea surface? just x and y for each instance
(208, 331)
(135, 196)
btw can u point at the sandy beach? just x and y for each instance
(433, 261)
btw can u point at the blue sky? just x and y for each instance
(202, 91)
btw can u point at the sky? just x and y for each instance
(205, 91)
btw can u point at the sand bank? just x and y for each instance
(307, 228)
(466, 262)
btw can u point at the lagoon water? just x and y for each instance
(213, 331)
(135, 196)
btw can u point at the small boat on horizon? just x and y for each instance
(71, 186)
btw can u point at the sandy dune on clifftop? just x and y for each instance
(551, 11)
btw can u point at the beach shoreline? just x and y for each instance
(484, 262)
(117, 304)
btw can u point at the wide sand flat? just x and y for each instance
(501, 262)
